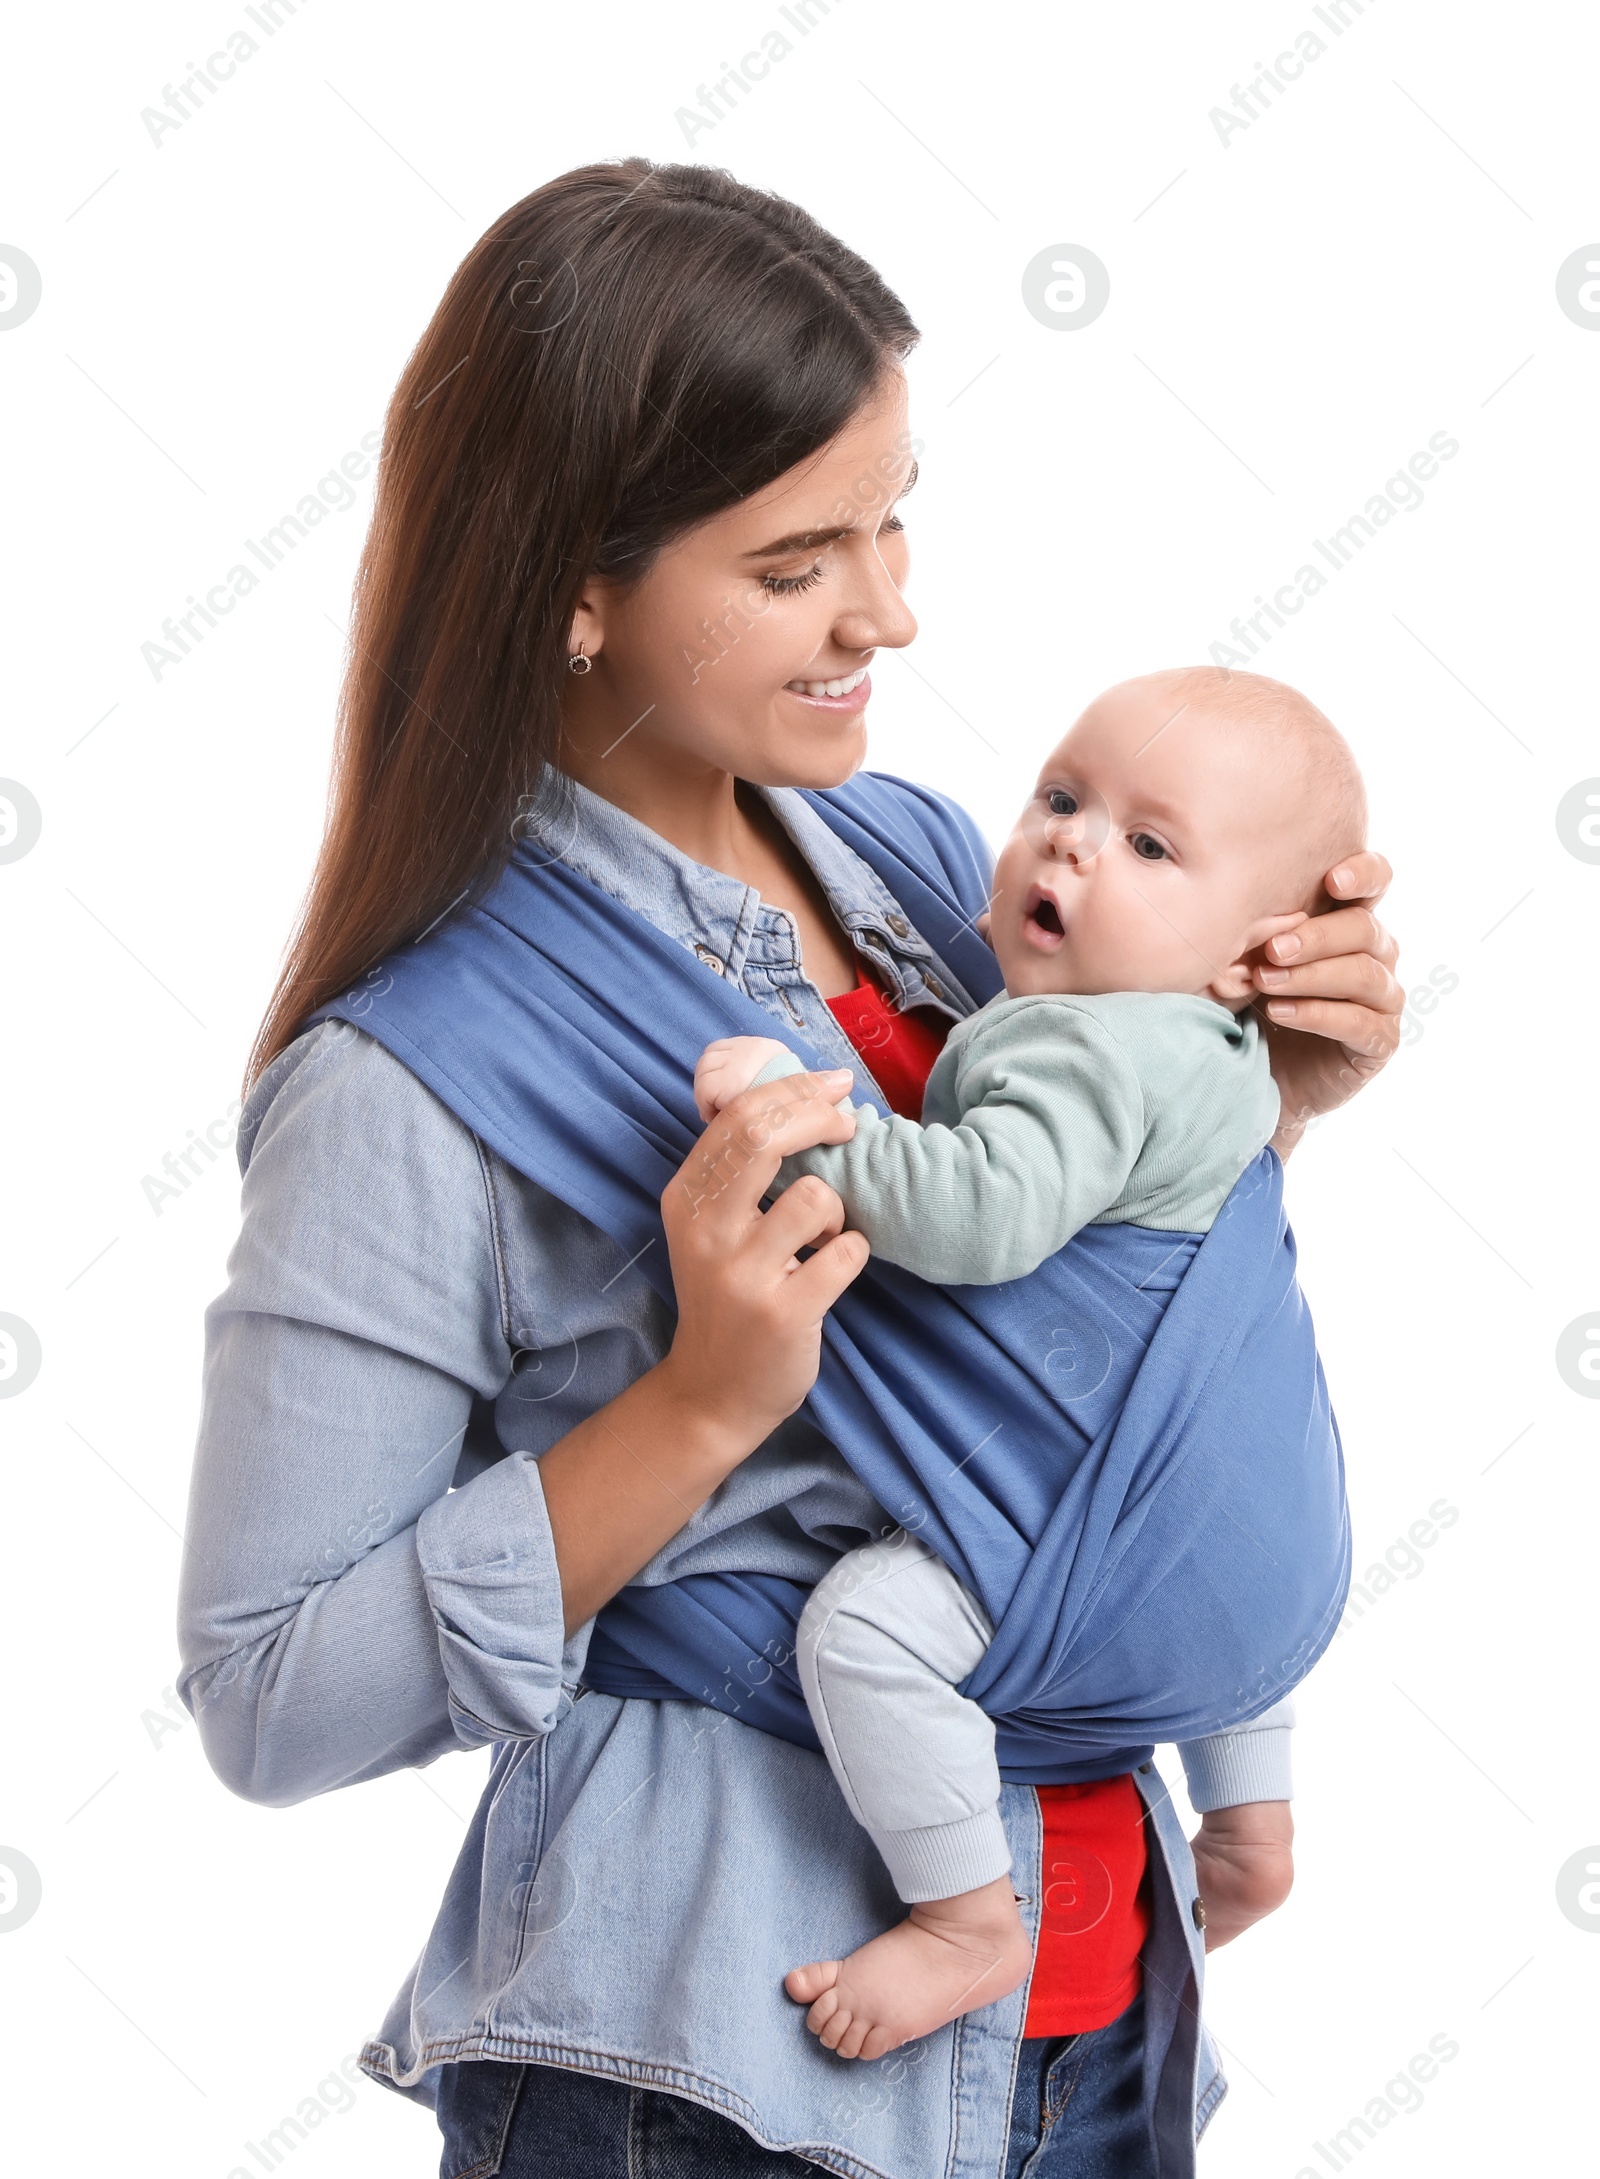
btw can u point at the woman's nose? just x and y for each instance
(880, 619)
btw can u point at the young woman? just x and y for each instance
(635, 547)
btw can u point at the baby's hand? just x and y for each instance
(727, 1068)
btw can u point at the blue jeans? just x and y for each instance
(1077, 2113)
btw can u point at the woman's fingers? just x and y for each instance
(820, 1281)
(1340, 931)
(1358, 977)
(1360, 877)
(749, 1332)
(1361, 1029)
(806, 1214)
(1332, 1001)
(736, 1160)
(1333, 977)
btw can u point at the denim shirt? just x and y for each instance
(370, 1582)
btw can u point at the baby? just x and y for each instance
(1185, 820)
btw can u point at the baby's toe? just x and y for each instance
(854, 2039)
(836, 2027)
(805, 1984)
(878, 2042)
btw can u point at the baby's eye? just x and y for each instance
(1062, 804)
(1147, 847)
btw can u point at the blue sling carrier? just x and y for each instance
(1128, 1456)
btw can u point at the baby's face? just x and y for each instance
(1145, 859)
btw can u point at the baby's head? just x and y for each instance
(1186, 819)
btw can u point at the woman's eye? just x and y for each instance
(785, 586)
(1061, 803)
(894, 523)
(1147, 847)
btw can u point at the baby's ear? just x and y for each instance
(1231, 986)
(1237, 982)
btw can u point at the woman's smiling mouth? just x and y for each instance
(846, 692)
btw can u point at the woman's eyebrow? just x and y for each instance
(808, 540)
(801, 541)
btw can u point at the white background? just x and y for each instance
(1371, 262)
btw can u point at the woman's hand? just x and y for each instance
(1331, 999)
(624, 1481)
(1244, 1866)
(749, 1339)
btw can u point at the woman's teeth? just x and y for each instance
(831, 688)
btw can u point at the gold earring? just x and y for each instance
(579, 663)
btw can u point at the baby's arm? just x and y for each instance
(1051, 1121)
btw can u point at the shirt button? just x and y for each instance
(1145, 1769)
(1198, 1910)
(936, 987)
(899, 925)
(704, 953)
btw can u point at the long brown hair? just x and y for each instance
(628, 350)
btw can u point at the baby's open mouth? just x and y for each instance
(1041, 919)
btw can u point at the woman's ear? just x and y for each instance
(588, 630)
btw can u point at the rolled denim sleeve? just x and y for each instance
(1247, 1763)
(489, 1569)
(343, 1612)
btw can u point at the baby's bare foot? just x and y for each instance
(949, 1956)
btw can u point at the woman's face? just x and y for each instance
(722, 657)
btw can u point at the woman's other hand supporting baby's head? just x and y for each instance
(1187, 818)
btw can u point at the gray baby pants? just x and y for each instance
(886, 1636)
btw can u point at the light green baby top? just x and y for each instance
(1046, 1114)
